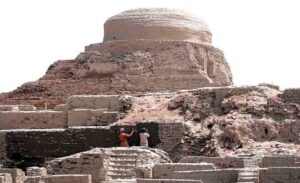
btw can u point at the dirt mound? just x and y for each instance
(224, 120)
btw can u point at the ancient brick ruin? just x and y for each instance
(156, 69)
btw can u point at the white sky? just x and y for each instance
(260, 38)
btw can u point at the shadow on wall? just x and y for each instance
(35, 147)
(135, 139)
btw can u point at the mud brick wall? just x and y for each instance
(107, 118)
(279, 174)
(90, 163)
(32, 119)
(91, 117)
(33, 179)
(70, 178)
(17, 108)
(284, 161)
(170, 135)
(109, 102)
(80, 117)
(219, 162)
(24, 148)
(2, 147)
(167, 181)
(292, 95)
(207, 176)
(151, 53)
(164, 169)
(33, 147)
(17, 175)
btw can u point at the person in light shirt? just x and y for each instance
(144, 135)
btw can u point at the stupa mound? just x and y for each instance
(144, 50)
(151, 72)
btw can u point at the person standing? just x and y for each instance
(123, 137)
(144, 135)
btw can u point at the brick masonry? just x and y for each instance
(32, 119)
(207, 176)
(80, 110)
(109, 102)
(280, 161)
(170, 136)
(279, 174)
(70, 178)
(219, 162)
(292, 95)
(165, 169)
(24, 148)
(167, 181)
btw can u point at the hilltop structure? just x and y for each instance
(156, 69)
(144, 50)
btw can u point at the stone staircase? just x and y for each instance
(121, 165)
(249, 174)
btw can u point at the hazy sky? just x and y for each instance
(260, 38)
